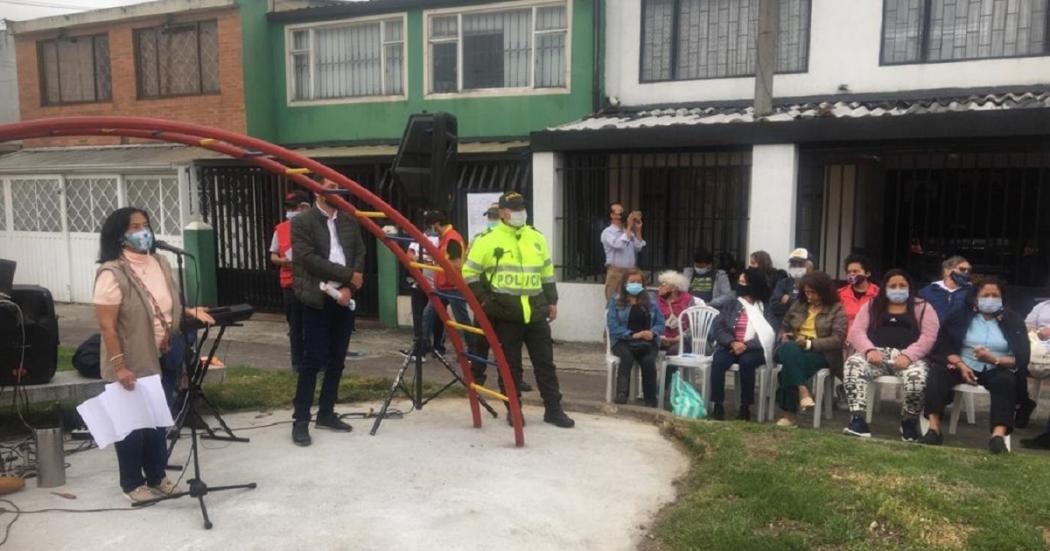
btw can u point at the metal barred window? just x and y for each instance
(74, 70)
(159, 196)
(687, 199)
(177, 60)
(522, 48)
(921, 31)
(36, 204)
(699, 39)
(89, 201)
(347, 60)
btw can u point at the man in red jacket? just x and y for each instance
(452, 246)
(281, 255)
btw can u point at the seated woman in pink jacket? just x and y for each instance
(892, 335)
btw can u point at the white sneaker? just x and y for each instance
(141, 494)
(165, 488)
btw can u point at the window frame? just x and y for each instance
(41, 72)
(674, 49)
(531, 89)
(924, 38)
(290, 53)
(196, 24)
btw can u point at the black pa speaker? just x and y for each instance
(39, 325)
(425, 165)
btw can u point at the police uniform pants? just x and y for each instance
(536, 336)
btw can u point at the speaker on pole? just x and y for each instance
(426, 165)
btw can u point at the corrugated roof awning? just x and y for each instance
(954, 113)
(390, 150)
(122, 158)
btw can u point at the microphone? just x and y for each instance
(165, 246)
(498, 253)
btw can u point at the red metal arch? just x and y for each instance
(290, 164)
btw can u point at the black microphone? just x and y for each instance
(498, 253)
(165, 246)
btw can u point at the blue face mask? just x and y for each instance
(634, 288)
(897, 296)
(990, 305)
(961, 279)
(140, 241)
(493, 224)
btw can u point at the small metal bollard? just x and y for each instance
(50, 458)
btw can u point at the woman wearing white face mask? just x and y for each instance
(635, 325)
(983, 344)
(708, 283)
(139, 310)
(892, 334)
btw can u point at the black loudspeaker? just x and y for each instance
(40, 327)
(426, 165)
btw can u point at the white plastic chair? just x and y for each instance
(612, 364)
(968, 392)
(823, 388)
(875, 388)
(698, 362)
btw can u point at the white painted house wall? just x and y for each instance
(845, 37)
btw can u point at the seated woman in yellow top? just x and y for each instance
(812, 335)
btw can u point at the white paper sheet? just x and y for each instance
(115, 413)
(477, 204)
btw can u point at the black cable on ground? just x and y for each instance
(9, 506)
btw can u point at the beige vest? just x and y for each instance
(135, 321)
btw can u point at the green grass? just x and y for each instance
(65, 358)
(759, 487)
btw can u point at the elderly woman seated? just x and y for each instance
(635, 325)
(674, 298)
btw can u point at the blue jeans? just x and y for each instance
(326, 337)
(142, 451)
(459, 313)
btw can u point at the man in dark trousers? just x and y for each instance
(328, 258)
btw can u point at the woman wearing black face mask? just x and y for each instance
(944, 295)
(745, 336)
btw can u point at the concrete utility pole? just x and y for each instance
(766, 63)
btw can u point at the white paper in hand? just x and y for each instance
(115, 413)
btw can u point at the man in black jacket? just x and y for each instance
(327, 252)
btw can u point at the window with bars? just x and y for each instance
(36, 204)
(159, 196)
(89, 201)
(347, 60)
(700, 39)
(519, 48)
(74, 70)
(177, 60)
(928, 31)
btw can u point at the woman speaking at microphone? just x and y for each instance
(139, 309)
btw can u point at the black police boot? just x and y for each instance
(554, 415)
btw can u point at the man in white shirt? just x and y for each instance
(622, 245)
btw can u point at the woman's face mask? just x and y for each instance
(518, 217)
(897, 296)
(961, 279)
(140, 241)
(990, 305)
(634, 288)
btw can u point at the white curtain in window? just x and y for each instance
(658, 22)
(512, 32)
(348, 62)
(551, 25)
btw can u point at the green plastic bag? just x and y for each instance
(685, 400)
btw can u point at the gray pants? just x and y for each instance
(858, 373)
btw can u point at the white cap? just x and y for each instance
(799, 253)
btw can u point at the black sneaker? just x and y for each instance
(932, 438)
(910, 430)
(332, 422)
(1041, 442)
(1024, 414)
(718, 413)
(744, 414)
(997, 445)
(301, 433)
(525, 387)
(857, 427)
(621, 398)
(556, 416)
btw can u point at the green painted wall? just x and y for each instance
(477, 116)
(258, 71)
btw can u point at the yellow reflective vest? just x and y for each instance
(510, 271)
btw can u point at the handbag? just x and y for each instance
(685, 400)
(1039, 364)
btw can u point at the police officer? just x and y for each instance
(510, 271)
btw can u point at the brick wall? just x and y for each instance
(224, 110)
